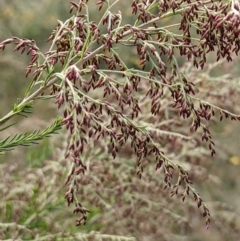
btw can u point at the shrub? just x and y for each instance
(157, 115)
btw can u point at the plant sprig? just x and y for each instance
(95, 105)
(29, 138)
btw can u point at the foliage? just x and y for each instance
(27, 139)
(153, 117)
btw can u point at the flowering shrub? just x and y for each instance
(158, 114)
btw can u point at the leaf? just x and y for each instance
(6, 127)
(27, 139)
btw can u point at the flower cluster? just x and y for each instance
(101, 98)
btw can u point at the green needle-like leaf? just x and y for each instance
(27, 139)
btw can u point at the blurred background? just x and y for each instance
(218, 183)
